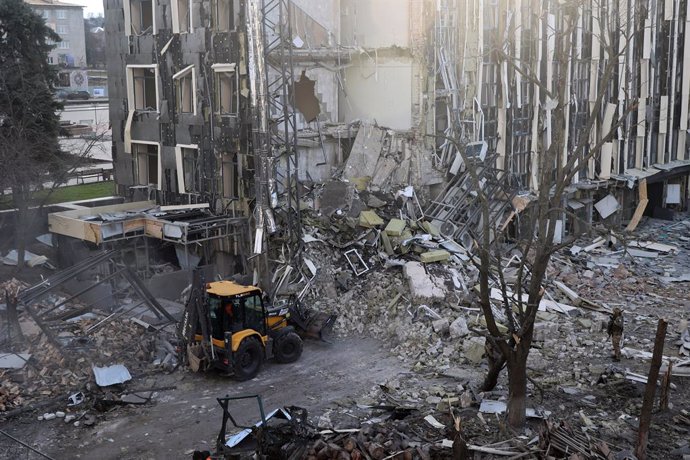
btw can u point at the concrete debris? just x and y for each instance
(422, 285)
(458, 328)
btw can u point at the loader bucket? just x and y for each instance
(320, 326)
(311, 323)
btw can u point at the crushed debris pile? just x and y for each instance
(63, 340)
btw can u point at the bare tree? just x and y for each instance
(561, 155)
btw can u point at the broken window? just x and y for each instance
(185, 90)
(187, 159)
(181, 16)
(230, 178)
(139, 17)
(142, 90)
(147, 165)
(223, 15)
(227, 96)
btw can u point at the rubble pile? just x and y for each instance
(58, 359)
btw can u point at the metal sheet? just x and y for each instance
(111, 375)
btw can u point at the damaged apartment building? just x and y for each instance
(223, 111)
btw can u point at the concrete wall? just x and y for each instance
(378, 89)
(375, 23)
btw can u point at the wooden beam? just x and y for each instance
(641, 206)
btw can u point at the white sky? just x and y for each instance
(93, 7)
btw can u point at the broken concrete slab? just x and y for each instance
(458, 328)
(365, 152)
(422, 285)
(473, 349)
(395, 227)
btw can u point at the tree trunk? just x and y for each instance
(517, 388)
(20, 229)
(496, 363)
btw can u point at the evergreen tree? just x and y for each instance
(29, 121)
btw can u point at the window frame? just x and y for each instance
(135, 156)
(128, 10)
(131, 102)
(177, 84)
(182, 186)
(175, 7)
(221, 68)
(230, 175)
(60, 14)
(231, 26)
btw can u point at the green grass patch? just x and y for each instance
(65, 194)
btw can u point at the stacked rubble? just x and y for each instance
(49, 364)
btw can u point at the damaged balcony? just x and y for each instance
(182, 224)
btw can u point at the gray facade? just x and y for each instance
(177, 109)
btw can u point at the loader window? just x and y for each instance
(255, 318)
(215, 313)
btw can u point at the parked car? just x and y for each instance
(61, 94)
(84, 95)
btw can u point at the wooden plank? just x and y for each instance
(641, 206)
(68, 226)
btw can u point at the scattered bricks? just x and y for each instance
(441, 326)
(458, 328)
(370, 219)
(48, 416)
(395, 227)
(437, 255)
(69, 418)
(60, 414)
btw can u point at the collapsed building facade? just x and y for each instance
(222, 111)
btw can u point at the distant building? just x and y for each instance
(67, 20)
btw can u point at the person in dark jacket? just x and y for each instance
(615, 330)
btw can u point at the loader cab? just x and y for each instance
(234, 308)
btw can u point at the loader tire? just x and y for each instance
(248, 359)
(287, 348)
